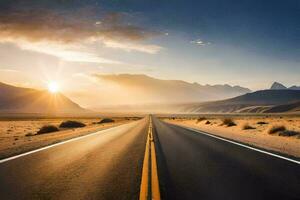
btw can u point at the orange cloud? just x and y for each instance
(68, 26)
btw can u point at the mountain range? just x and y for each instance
(279, 86)
(26, 100)
(146, 89)
(263, 101)
(156, 95)
(173, 96)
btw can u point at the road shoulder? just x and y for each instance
(39, 141)
(282, 145)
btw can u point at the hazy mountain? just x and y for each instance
(146, 89)
(259, 102)
(294, 87)
(279, 86)
(290, 107)
(25, 100)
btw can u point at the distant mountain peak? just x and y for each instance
(278, 86)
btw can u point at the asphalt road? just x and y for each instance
(195, 166)
(107, 165)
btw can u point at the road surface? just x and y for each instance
(195, 166)
(108, 166)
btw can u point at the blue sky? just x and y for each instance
(241, 42)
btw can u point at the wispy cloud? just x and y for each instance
(70, 28)
(199, 42)
(145, 48)
(10, 70)
(72, 52)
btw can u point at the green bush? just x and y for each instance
(71, 124)
(47, 129)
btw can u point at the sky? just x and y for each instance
(250, 43)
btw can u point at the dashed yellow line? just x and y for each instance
(150, 182)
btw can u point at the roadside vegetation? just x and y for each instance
(276, 129)
(29, 134)
(277, 133)
(106, 120)
(47, 129)
(282, 131)
(248, 127)
(228, 122)
(262, 123)
(289, 133)
(200, 119)
(71, 124)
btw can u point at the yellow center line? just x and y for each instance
(154, 175)
(145, 174)
(150, 182)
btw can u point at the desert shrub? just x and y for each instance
(207, 122)
(248, 127)
(29, 134)
(228, 122)
(106, 120)
(261, 123)
(47, 129)
(71, 124)
(288, 133)
(200, 119)
(276, 129)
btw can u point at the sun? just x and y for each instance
(53, 87)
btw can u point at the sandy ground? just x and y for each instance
(13, 139)
(259, 136)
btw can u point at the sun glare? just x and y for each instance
(53, 87)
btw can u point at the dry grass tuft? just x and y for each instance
(288, 133)
(276, 129)
(200, 119)
(228, 122)
(106, 120)
(29, 134)
(47, 129)
(71, 124)
(262, 123)
(248, 127)
(207, 122)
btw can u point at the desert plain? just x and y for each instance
(254, 130)
(20, 135)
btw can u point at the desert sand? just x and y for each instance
(259, 136)
(14, 137)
